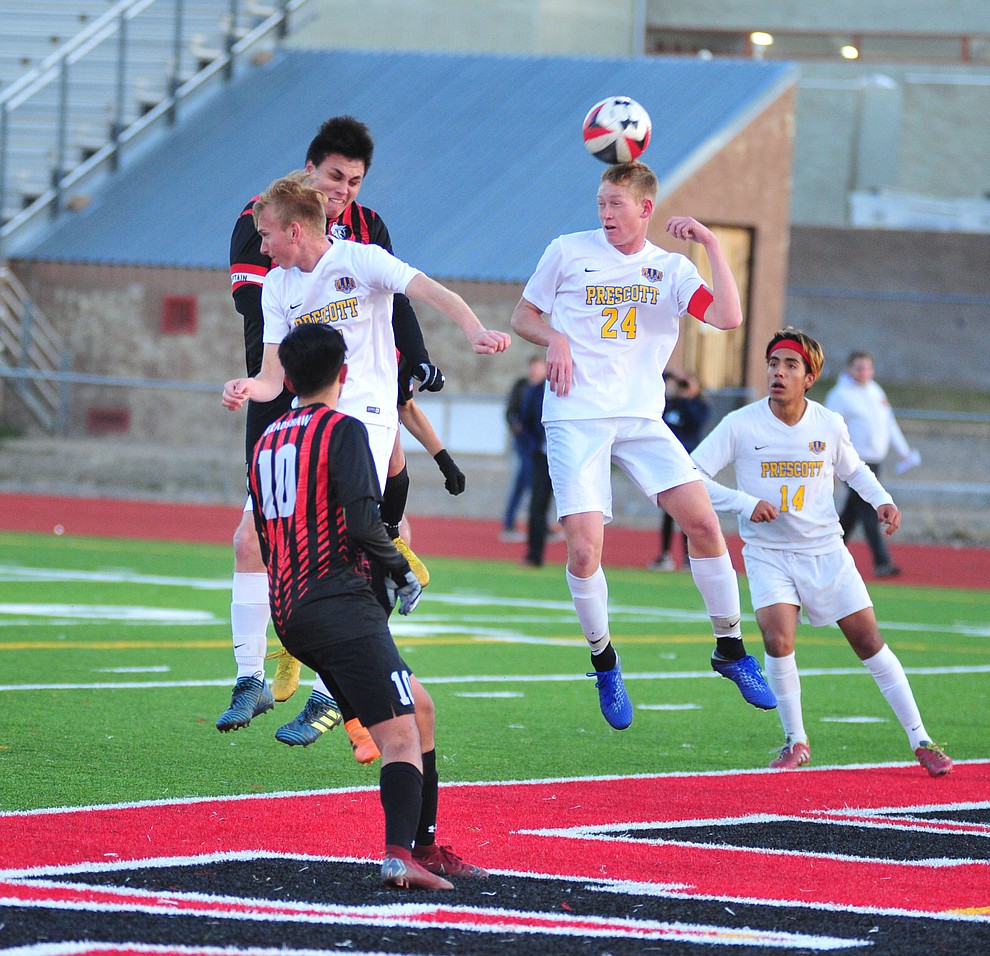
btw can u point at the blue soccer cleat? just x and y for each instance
(320, 714)
(250, 698)
(745, 673)
(612, 697)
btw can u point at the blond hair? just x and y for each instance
(291, 200)
(638, 178)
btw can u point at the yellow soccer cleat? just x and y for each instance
(365, 749)
(418, 568)
(286, 681)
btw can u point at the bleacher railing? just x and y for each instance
(55, 132)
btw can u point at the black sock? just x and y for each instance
(394, 498)
(730, 648)
(606, 660)
(426, 831)
(401, 790)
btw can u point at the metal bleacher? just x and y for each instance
(81, 80)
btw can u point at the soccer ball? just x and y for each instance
(617, 130)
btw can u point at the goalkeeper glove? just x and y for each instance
(430, 376)
(454, 482)
(405, 588)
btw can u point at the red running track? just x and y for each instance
(932, 565)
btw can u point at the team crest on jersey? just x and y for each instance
(654, 275)
(340, 230)
(345, 284)
(816, 447)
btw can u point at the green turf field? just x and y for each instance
(116, 661)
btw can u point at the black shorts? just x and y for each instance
(358, 662)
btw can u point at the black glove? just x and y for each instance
(404, 588)
(454, 482)
(430, 376)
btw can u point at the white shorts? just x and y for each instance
(381, 438)
(826, 586)
(580, 455)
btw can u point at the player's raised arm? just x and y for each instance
(725, 312)
(483, 341)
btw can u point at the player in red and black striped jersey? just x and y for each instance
(314, 488)
(337, 160)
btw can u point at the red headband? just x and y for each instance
(796, 346)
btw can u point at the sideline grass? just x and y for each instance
(139, 631)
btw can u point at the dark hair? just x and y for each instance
(311, 356)
(815, 356)
(344, 135)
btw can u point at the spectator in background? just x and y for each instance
(541, 489)
(686, 412)
(522, 445)
(872, 430)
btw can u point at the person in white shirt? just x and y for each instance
(614, 302)
(873, 430)
(786, 451)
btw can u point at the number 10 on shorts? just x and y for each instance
(401, 681)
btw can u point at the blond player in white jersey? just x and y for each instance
(347, 285)
(614, 302)
(786, 452)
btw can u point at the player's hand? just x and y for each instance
(454, 477)
(890, 517)
(488, 341)
(684, 227)
(764, 511)
(560, 365)
(235, 393)
(404, 588)
(429, 376)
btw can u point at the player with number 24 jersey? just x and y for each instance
(621, 314)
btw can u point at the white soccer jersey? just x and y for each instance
(351, 289)
(621, 315)
(793, 467)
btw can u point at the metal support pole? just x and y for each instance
(58, 170)
(117, 126)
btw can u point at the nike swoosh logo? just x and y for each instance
(760, 447)
(296, 306)
(592, 270)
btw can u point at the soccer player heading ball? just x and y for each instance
(613, 302)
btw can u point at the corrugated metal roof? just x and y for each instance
(478, 161)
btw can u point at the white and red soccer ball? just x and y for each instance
(617, 130)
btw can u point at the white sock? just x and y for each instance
(590, 597)
(893, 683)
(320, 688)
(785, 682)
(249, 616)
(719, 587)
